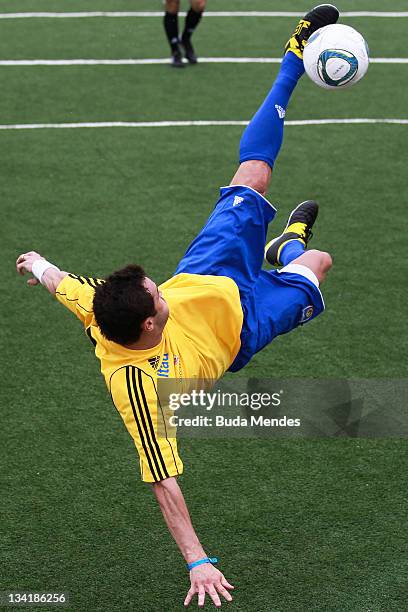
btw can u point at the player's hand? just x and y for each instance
(24, 264)
(207, 579)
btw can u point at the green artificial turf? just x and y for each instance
(113, 93)
(213, 5)
(306, 525)
(138, 37)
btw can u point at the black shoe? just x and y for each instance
(177, 60)
(298, 227)
(320, 16)
(189, 52)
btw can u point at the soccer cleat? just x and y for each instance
(177, 60)
(320, 16)
(298, 227)
(189, 52)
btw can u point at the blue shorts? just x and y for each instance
(232, 244)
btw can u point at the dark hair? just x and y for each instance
(122, 303)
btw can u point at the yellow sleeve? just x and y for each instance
(76, 293)
(134, 394)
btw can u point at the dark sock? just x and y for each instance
(192, 21)
(171, 27)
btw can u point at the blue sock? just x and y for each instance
(290, 251)
(262, 139)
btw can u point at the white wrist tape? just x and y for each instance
(40, 266)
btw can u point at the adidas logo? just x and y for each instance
(237, 200)
(281, 111)
(154, 362)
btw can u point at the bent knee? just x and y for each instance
(198, 5)
(325, 259)
(172, 6)
(255, 174)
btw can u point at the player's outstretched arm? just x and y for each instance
(204, 578)
(42, 270)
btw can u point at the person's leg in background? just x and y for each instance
(171, 28)
(193, 18)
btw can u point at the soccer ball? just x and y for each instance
(336, 56)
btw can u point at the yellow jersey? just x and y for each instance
(200, 340)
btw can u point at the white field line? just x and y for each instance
(141, 62)
(70, 15)
(159, 124)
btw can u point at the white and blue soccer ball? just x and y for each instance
(336, 56)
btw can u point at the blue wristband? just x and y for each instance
(201, 562)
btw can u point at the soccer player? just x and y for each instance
(213, 315)
(171, 28)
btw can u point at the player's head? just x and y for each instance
(128, 305)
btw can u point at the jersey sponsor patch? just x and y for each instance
(307, 313)
(164, 370)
